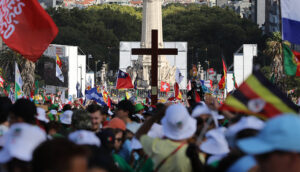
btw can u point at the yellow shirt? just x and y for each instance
(158, 149)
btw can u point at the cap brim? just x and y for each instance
(254, 146)
(5, 156)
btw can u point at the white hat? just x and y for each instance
(249, 122)
(41, 115)
(53, 112)
(135, 144)
(177, 123)
(156, 131)
(84, 137)
(215, 142)
(133, 127)
(201, 109)
(20, 142)
(66, 117)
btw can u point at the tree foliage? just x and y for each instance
(99, 29)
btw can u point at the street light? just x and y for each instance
(96, 63)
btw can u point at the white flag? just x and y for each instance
(59, 74)
(18, 83)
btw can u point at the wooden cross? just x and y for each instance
(154, 51)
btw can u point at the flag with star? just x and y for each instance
(124, 80)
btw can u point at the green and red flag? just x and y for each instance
(291, 61)
(258, 96)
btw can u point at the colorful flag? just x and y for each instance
(234, 82)
(290, 14)
(93, 94)
(59, 73)
(210, 71)
(222, 83)
(164, 87)
(26, 27)
(189, 86)
(1, 82)
(208, 83)
(18, 83)
(124, 80)
(291, 61)
(258, 96)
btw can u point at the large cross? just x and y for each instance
(154, 51)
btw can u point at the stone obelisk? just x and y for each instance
(152, 19)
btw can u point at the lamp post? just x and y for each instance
(96, 63)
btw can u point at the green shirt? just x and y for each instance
(121, 163)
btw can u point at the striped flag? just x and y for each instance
(258, 96)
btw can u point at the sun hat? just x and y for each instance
(136, 144)
(66, 117)
(215, 143)
(139, 107)
(133, 127)
(20, 142)
(41, 115)
(244, 164)
(116, 123)
(177, 123)
(201, 109)
(249, 122)
(280, 133)
(84, 137)
(156, 131)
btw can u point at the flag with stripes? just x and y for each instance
(258, 96)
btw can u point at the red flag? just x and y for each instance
(222, 83)
(26, 27)
(189, 86)
(164, 87)
(124, 80)
(197, 97)
(109, 102)
(176, 89)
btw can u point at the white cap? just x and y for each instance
(41, 115)
(156, 131)
(66, 117)
(177, 123)
(201, 109)
(215, 143)
(133, 127)
(135, 144)
(84, 137)
(20, 142)
(249, 122)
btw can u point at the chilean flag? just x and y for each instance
(124, 80)
(290, 20)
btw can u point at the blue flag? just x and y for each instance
(93, 94)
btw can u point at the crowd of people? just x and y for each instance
(132, 136)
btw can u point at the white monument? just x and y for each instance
(129, 62)
(140, 68)
(243, 62)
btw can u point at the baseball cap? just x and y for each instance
(177, 123)
(280, 133)
(66, 117)
(20, 142)
(116, 123)
(41, 115)
(249, 122)
(84, 137)
(139, 107)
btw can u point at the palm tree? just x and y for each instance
(274, 50)
(27, 68)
